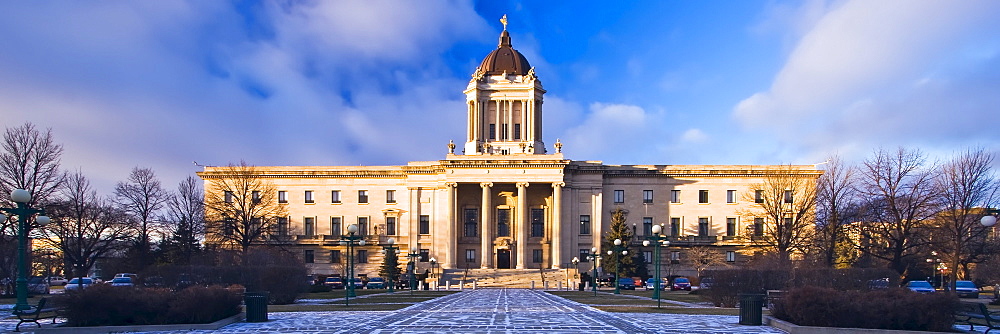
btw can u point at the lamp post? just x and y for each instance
(937, 268)
(390, 249)
(350, 240)
(595, 257)
(657, 239)
(618, 248)
(434, 273)
(413, 268)
(576, 267)
(23, 212)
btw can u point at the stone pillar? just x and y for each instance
(522, 224)
(556, 236)
(451, 248)
(486, 226)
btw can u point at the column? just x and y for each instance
(451, 242)
(557, 188)
(486, 226)
(522, 223)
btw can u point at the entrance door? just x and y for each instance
(503, 259)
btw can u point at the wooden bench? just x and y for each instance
(976, 314)
(33, 314)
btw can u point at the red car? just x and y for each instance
(681, 283)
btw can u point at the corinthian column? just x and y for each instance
(522, 223)
(486, 226)
(451, 240)
(556, 236)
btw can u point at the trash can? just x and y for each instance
(751, 309)
(581, 286)
(256, 306)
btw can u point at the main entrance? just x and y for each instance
(503, 259)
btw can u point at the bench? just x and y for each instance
(33, 314)
(976, 314)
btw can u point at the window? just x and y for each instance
(335, 226)
(425, 255)
(730, 196)
(788, 222)
(675, 196)
(390, 225)
(788, 196)
(470, 255)
(390, 196)
(647, 226)
(537, 222)
(282, 196)
(758, 196)
(517, 131)
(702, 196)
(309, 225)
(703, 226)
(503, 222)
(619, 196)
(675, 226)
(362, 196)
(647, 196)
(583, 255)
(335, 196)
(536, 256)
(362, 256)
(309, 197)
(504, 128)
(282, 226)
(227, 226)
(335, 256)
(424, 227)
(730, 256)
(255, 195)
(310, 256)
(493, 131)
(362, 226)
(758, 227)
(648, 256)
(730, 227)
(229, 196)
(471, 222)
(675, 256)
(584, 224)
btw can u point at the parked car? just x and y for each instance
(878, 284)
(122, 281)
(681, 283)
(358, 284)
(334, 282)
(605, 281)
(57, 280)
(134, 277)
(38, 285)
(706, 283)
(626, 283)
(920, 286)
(966, 289)
(375, 283)
(651, 284)
(77, 282)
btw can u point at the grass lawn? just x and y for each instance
(374, 300)
(680, 296)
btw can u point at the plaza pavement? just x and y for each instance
(485, 311)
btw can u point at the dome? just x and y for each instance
(504, 59)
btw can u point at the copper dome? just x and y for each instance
(505, 59)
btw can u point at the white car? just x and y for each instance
(57, 280)
(122, 281)
(75, 283)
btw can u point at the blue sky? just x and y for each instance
(163, 83)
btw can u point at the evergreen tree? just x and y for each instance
(390, 267)
(625, 264)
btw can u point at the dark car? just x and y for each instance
(920, 286)
(334, 282)
(966, 289)
(681, 283)
(626, 283)
(375, 283)
(38, 285)
(605, 281)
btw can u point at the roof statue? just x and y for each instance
(504, 21)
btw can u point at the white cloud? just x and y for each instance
(694, 136)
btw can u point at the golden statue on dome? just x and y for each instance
(504, 21)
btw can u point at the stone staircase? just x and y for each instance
(508, 278)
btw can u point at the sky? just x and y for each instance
(163, 84)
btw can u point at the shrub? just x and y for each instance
(728, 284)
(898, 309)
(105, 305)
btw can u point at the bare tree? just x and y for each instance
(186, 211)
(897, 189)
(701, 258)
(786, 200)
(241, 207)
(965, 185)
(84, 226)
(141, 196)
(836, 207)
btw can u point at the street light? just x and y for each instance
(990, 218)
(595, 257)
(23, 212)
(576, 266)
(386, 250)
(413, 268)
(657, 239)
(350, 240)
(616, 249)
(434, 273)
